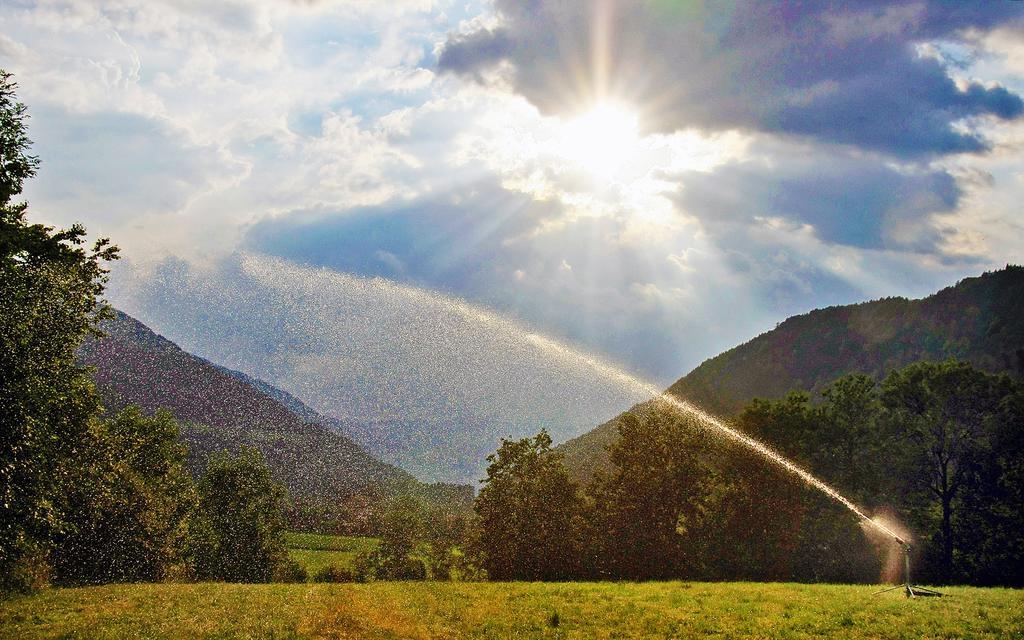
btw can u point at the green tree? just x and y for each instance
(649, 511)
(237, 531)
(850, 445)
(446, 537)
(943, 418)
(529, 513)
(994, 498)
(51, 287)
(402, 552)
(766, 511)
(125, 503)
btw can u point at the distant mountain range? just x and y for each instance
(224, 409)
(980, 320)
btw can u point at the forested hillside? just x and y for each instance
(979, 320)
(222, 409)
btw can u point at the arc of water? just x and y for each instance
(271, 268)
(711, 422)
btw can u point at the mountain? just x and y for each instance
(980, 320)
(224, 409)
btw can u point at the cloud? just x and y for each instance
(848, 200)
(814, 165)
(835, 72)
(452, 241)
(118, 169)
(639, 291)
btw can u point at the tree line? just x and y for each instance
(937, 447)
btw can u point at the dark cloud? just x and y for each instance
(839, 72)
(848, 200)
(448, 240)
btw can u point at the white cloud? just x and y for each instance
(176, 127)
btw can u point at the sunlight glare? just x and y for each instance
(602, 140)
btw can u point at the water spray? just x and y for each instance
(271, 271)
(712, 423)
(709, 421)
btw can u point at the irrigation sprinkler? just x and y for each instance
(909, 589)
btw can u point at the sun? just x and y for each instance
(603, 141)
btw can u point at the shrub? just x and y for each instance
(29, 572)
(337, 573)
(288, 570)
(364, 566)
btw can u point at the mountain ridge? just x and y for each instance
(979, 319)
(220, 408)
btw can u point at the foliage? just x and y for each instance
(17, 165)
(945, 418)
(337, 573)
(937, 443)
(51, 287)
(125, 503)
(237, 532)
(289, 570)
(658, 492)
(399, 555)
(529, 513)
(413, 543)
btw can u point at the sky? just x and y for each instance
(652, 181)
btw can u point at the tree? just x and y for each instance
(766, 512)
(237, 531)
(650, 512)
(851, 443)
(942, 416)
(401, 554)
(51, 288)
(446, 536)
(16, 165)
(125, 503)
(529, 511)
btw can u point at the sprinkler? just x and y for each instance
(909, 589)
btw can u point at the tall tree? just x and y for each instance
(651, 511)
(51, 287)
(125, 502)
(237, 532)
(942, 416)
(402, 534)
(850, 444)
(528, 513)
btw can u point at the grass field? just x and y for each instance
(315, 551)
(510, 610)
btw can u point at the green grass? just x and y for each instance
(510, 610)
(321, 542)
(315, 551)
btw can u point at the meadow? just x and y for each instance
(509, 610)
(315, 551)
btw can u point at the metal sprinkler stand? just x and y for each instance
(909, 589)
